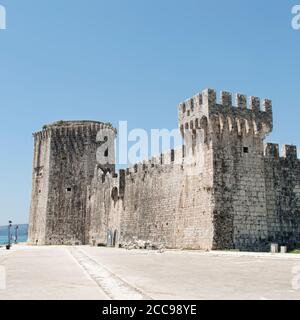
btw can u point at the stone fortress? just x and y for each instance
(224, 189)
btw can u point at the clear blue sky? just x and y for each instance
(134, 60)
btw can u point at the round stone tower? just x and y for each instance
(65, 156)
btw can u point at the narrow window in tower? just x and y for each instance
(106, 153)
(69, 189)
(192, 105)
(172, 155)
(115, 194)
(38, 172)
(246, 150)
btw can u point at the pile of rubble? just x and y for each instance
(141, 244)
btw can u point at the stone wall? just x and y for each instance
(169, 204)
(40, 188)
(158, 201)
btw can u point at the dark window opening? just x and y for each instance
(115, 194)
(106, 153)
(69, 189)
(246, 150)
(192, 104)
(172, 155)
(39, 172)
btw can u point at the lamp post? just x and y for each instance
(9, 243)
(16, 233)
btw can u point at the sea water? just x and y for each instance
(22, 233)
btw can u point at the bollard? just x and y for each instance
(283, 249)
(274, 247)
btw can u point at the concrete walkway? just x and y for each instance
(40, 273)
(105, 273)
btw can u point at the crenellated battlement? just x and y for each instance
(245, 116)
(140, 170)
(288, 152)
(162, 163)
(172, 157)
(165, 162)
(66, 128)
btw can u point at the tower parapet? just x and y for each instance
(253, 117)
(288, 152)
(65, 127)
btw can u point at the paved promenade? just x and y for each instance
(104, 273)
